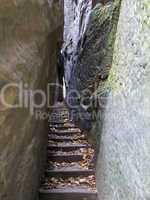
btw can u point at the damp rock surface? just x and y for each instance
(29, 31)
(91, 58)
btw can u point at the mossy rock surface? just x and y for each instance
(95, 53)
(123, 162)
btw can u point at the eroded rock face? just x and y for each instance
(29, 31)
(76, 19)
(124, 161)
(92, 57)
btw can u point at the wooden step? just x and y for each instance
(63, 138)
(64, 133)
(58, 122)
(73, 130)
(67, 172)
(65, 158)
(68, 194)
(60, 126)
(64, 147)
(60, 139)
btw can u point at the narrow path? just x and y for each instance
(69, 174)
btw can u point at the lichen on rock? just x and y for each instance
(94, 54)
(123, 162)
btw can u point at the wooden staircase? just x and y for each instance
(69, 174)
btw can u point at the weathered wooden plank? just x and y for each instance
(68, 194)
(58, 122)
(62, 126)
(65, 158)
(58, 138)
(68, 172)
(64, 147)
(63, 133)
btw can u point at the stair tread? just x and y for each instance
(60, 138)
(69, 190)
(69, 145)
(64, 138)
(58, 122)
(63, 154)
(63, 125)
(61, 170)
(66, 158)
(69, 172)
(66, 131)
(72, 195)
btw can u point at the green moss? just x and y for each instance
(147, 5)
(113, 80)
(99, 15)
(112, 83)
(146, 17)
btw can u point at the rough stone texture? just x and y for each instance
(76, 18)
(124, 161)
(93, 58)
(29, 31)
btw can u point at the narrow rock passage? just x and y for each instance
(69, 174)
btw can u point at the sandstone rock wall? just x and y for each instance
(91, 59)
(76, 18)
(124, 161)
(29, 31)
(122, 127)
